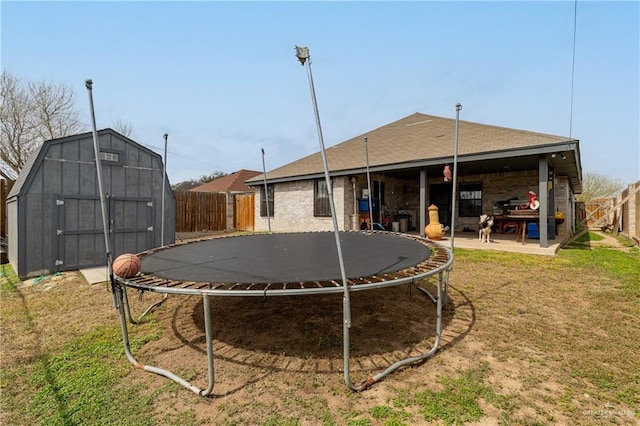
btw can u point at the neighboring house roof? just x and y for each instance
(421, 140)
(229, 183)
(185, 186)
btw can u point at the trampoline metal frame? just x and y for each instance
(144, 283)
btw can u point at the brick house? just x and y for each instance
(497, 166)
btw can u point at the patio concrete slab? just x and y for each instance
(95, 275)
(503, 242)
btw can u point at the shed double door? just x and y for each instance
(80, 233)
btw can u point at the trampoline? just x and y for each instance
(286, 264)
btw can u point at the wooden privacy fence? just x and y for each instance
(627, 212)
(596, 214)
(5, 187)
(244, 212)
(619, 214)
(200, 211)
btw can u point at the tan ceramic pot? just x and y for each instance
(434, 229)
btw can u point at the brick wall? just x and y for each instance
(564, 204)
(294, 200)
(293, 208)
(230, 203)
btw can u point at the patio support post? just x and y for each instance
(543, 197)
(423, 200)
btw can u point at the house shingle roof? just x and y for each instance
(185, 186)
(229, 183)
(415, 138)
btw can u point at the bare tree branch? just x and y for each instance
(54, 114)
(30, 113)
(123, 127)
(595, 185)
(15, 126)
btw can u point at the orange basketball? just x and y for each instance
(126, 265)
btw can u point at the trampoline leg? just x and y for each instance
(346, 325)
(410, 360)
(119, 296)
(149, 309)
(209, 341)
(445, 291)
(429, 295)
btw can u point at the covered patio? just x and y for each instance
(502, 242)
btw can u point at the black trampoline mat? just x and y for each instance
(281, 258)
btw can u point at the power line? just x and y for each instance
(573, 63)
(188, 158)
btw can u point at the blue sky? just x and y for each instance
(222, 79)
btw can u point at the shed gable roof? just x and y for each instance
(38, 155)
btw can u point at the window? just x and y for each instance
(112, 157)
(321, 206)
(264, 200)
(470, 196)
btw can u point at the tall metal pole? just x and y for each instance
(266, 193)
(302, 53)
(366, 154)
(103, 204)
(455, 175)
(164, 178)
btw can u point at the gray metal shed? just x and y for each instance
(54, 219)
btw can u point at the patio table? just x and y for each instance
(520, 221)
